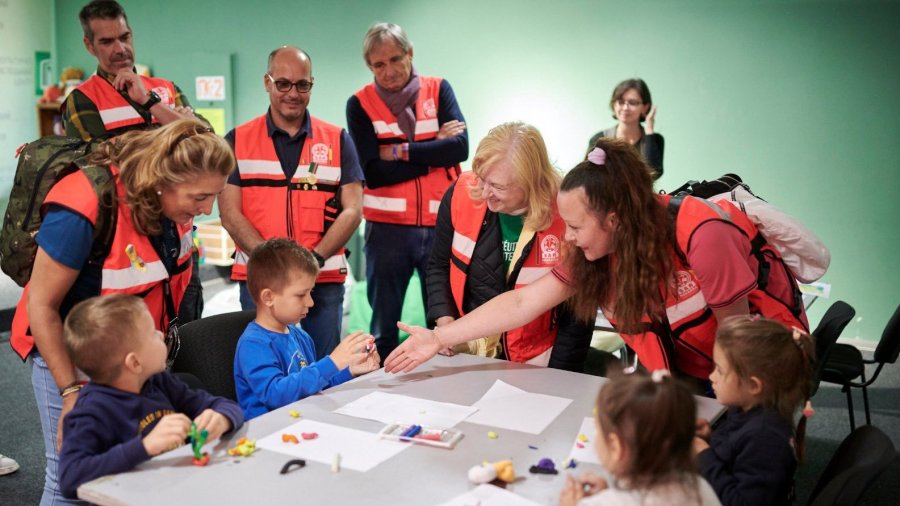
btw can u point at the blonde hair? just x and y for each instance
(523, 147)
(173, 154)
(100, 331)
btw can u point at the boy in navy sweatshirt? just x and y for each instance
(275, 361)
(132, 409)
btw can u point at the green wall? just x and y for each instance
(799, 97)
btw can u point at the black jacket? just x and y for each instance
(486, 278)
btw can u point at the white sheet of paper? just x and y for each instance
(359, 450)
(709, 409)
(489, 495)
(587, 453)
(507, 407)
(390, 408)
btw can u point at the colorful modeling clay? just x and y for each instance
(571, 464)
(289, 438)
(582, 438)
(578, 444)
(492, 435)
(336, 463)
(544, 466)
(198, 439)
(309, 435)
(245, 447)
(291, 463)
(294, 413)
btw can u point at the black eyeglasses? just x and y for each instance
(284, 86)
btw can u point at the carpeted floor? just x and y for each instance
(20, 434)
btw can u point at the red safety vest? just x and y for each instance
(114, 110)
(691, 322)
(301, 209)
(132, 266)
(543, 253)
(413, 202)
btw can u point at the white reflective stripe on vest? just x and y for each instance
(433, 206)
(187, 243)
(116, 114)
(384, 203)
(426, 126)
(325, 173)
(131, 276)
(334, 263)
(382, 127)
(685, 308)
(463, 245)
(528, 275)
(259, 168)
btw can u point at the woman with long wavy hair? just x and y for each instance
(662, 272)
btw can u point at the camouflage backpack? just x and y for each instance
(41, 165)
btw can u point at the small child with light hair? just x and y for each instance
(275, 361)
(132, 409)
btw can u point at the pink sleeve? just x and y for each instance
(720, 257)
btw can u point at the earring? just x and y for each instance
(158, 192)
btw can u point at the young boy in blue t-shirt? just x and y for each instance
(275, 362)
(132, 409)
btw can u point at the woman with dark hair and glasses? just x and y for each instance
(160, 180)
(634, 110)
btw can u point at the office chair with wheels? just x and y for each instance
(207, 350)
(846, 363)
(858, 461)
(827, 333)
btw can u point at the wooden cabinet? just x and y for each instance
(48, 114)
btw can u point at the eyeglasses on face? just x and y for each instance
(284, 86)
(633, 103)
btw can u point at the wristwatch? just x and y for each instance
(153, 100)
(319, 258)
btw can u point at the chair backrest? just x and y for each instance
(207, 350)
(889, 346)
(827, 333)
(858, 461)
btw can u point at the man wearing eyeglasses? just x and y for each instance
(298, 177)
(411, 137)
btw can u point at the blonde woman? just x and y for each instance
(162, 179)
(498, 230)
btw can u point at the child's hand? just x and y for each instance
(702, 429)
(592, 483)
(699, 445)
(168, 434)
(364, 362)
(214, 423)
(354, 343)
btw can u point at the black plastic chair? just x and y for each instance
(827, 333)
(858, 461)
(845, 363)
(207, 350)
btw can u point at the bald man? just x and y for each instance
(298, 177)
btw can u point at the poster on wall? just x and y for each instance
(210, 88)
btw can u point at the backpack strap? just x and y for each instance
(103, 183)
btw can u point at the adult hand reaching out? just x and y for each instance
(419, 347)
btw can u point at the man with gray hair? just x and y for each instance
(298, 177)
(411, 137)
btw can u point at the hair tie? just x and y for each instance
(597, 156)
(808, 410)
(658, 375)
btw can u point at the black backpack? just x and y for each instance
(41, 165)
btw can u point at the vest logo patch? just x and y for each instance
(684, 285)
(319, 153)
(550, 249)
(429, 109)
(163, 93)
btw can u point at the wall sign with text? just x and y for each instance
(210, 88)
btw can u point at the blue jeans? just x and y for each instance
(323, 323)
(392, 253)
(49, 405)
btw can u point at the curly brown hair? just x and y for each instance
(642, 269)
(163, 157)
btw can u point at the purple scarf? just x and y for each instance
(402, 104)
